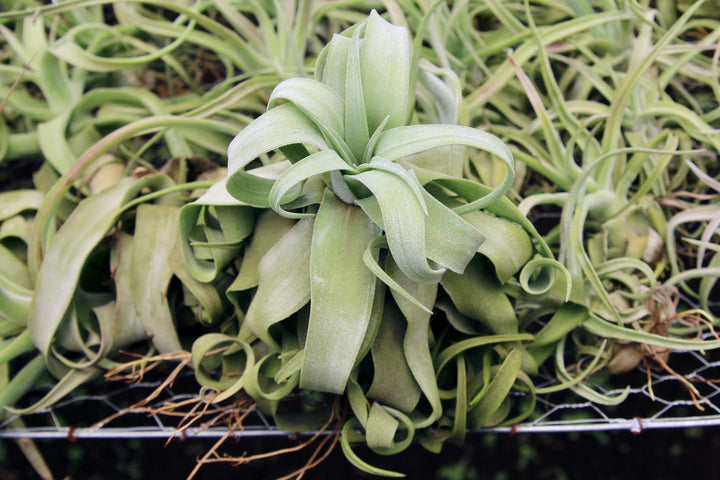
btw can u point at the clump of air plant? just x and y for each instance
(349, 233)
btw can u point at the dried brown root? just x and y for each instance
(327, 442)
(138, 368)
(230, 416)
(696, 318)
(692, 318)
(662, 309)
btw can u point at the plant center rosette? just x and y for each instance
(339, 231)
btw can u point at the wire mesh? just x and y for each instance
(655, 399)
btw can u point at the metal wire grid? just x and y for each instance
(656, 399)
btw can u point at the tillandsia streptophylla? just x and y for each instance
(345, 242)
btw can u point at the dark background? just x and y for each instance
(657, 454)
(610, 455)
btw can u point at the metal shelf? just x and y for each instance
(663, 403)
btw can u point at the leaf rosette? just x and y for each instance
(358, 236)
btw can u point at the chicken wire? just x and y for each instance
(655, 399)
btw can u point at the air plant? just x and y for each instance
(610, 176)
(77, 215)
(365, 259)
(346, 233)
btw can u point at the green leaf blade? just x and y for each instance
(342, 291)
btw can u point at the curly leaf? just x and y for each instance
(400, 142)
(210, 242)
(507, 245)
(292, 127)
(489, 400)
(67, 253)
(403, 220)
(478, 294)
(234, 357)
(321, 104)
(316, 164)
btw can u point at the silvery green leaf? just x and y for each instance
(269, 229)
(283, 282)
(416, 342)
(318, 163)
(478, 294)
(15, 287)
(403, 220)
(316, 100)
(156, 229)
(255, 140)
(385, 70)
(370, 258)
(507, 245)
(68, 251)
(482, 408)
(331, 66)
(341, 294)
(357, 132)
(252, 187)
(392, 382)
(400, 142)
(441, 224)
(14, 202)
(216, 218)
